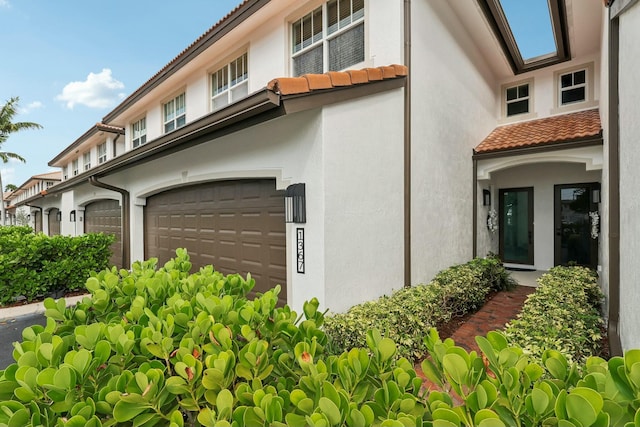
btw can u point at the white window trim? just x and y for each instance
(102, 158)
(133, 138)
(588, 103)
(503, 102)
(230, 88)
(175, 118)
(325, 36)
(75, 167)
(86, 165)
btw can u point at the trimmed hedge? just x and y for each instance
(405, 315)
(563, 314)
(36, 265)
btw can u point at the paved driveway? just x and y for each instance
(11, 331)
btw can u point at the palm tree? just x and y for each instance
(7, 127)
(10, 187)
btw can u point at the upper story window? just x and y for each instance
(102, 153)
(330, 38)
(139, 132)
(230, 83)
(175, 113)
(573, 87)
(517, 99)
(65, 173)
(75, 167)
(86, 160)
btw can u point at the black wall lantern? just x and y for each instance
(28, 217)
(295, 209)
(72, 216)
(59, 216)
(486, 197)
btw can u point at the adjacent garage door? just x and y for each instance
(105, 216)
(236, 226)
(54, 224)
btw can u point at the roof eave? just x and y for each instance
(541, 148)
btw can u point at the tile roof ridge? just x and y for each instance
(332, 79)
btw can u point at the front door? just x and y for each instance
(516, 225)
(576, 241)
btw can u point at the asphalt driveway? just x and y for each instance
(11, 331)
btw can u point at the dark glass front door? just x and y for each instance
(575, 240)
(516, 225)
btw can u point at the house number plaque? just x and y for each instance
(300, 249)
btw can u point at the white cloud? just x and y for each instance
(5, 3)
(8, 176)
(30, 107)
(97, 91)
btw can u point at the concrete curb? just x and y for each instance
(34, 308)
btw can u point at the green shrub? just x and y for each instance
(562, 314)
(165, 347)
(408, 313)
(35, 265)
(514, 389)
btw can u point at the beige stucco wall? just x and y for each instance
(629, 177)
(453, 109)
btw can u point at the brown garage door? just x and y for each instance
(236, 226)
(105, 216)
(54, 224)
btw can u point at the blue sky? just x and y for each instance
(72, 61)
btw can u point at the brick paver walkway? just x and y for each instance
(502, 308)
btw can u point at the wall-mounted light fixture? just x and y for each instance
(72, 216)
(28, 217)
(595, 195)
(486, 197)
(59, 216)
(295, 209)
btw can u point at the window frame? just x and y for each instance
(65, 172)
(175, 120)
(75, 166)
(504, 117)
(573, 86)
(102, 157)
(86, 164)
(325, 36)
(588, 102)
(141, 139)
(230, 85)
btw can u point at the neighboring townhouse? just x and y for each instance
(28, 205)
(346, 148)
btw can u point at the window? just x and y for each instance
(139, 132)
(64, 172)
(175, 113)
(74, 167)
(86, 160)
(102, 153)
(517, 98)
(573, 87)
(333, 32)
(230, 83)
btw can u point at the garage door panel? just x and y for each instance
(238, 226)
(105, 216)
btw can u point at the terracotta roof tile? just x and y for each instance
(339, 78)
(332, 79)
(550, 130)
(358, 76)
(318, 81)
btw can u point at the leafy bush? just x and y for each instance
(507, 387)
(562, 314)
(165, 347)
(34, 265)
(408, 313)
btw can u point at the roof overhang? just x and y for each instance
(259, 107)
